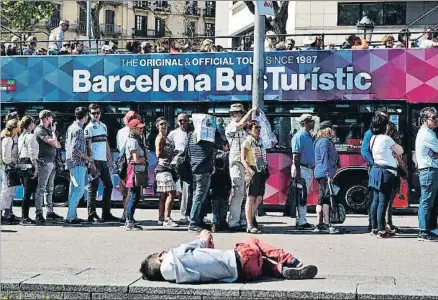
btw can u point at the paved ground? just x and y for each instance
(107, 248)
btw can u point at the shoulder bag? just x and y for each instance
(12, 176)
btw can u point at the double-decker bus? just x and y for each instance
(343, 86)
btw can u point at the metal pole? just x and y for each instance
(259, 61)
(89, 22)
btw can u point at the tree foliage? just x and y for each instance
(278, 23)
(19, 14)
(95, 11)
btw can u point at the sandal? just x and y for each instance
(253, 230)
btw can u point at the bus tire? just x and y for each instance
(356, 198)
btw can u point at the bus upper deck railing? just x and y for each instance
(323, 40)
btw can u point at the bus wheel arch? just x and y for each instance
(353, 184)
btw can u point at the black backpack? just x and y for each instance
(122, 166)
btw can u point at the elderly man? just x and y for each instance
(179, 138)
(56, 37)
(303, 163)
(236, 135)
(426, 152)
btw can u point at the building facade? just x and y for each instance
(329, 17)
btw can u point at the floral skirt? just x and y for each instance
(165, 182)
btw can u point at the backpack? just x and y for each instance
(122, 163)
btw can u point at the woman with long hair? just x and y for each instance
(326, 160)
(253, 158)
(165, 175)
(9, 138)
(28, 150)
(383, 174)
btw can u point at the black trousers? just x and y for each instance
(29, 189)
(105, 176)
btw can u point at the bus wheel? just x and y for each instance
(356, 198)
(60, 192)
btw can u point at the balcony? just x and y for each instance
(210, 12)
(81, 26)
(110, 29)
(161, 7)
(192, 12)
(141, 5)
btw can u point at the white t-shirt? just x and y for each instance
(178, 137)
(381, 149)
(426, 44)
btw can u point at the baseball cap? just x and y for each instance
(305, 118)
(129, 116)
(136, 123)
(45, 114)
(325, 125)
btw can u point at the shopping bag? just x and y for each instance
(337, 210)
(205, 127)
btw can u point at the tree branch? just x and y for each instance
(250, 6)
(276, 6)
(284, 10)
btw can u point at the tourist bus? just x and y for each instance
(343, 86)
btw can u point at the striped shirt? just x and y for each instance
(97, 133)
(201, 155)
(75, 144)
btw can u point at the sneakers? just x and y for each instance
(194, 228)
(110, 218)
(94, 218)
(426, 237)
(131, 226)
(319, 228)
(374, 232)
(332, 229)
(51, 216)
(305, 226)
(384, 235)
(303, 272)
(73, 222)
(169, 223)
(184, 221)
(27, 221)
(39, 219)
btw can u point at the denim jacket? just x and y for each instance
(326, 158)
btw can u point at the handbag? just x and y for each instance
(12, 176)
(140, 175)
(337, 210)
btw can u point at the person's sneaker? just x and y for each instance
(27, 221)
(194, 228)
(374, 232)
(122, 220)
(332, 229)
(73, 222)
(110, 218)
(426, 237)
(131, 226)
(39, 219)
(305, 226)
(14, 219)
(169, 223)
(206, 220)
(319, 228)
(392, 228)
(434, 232)
(51, 216)
(384, 235)
(160, 222)
(184, 221)
(94, 218)
(303, 272)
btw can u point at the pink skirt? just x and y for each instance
(130, 176)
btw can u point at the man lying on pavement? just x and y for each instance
(198, 262)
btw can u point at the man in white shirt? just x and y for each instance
(236, 135)
(57, 37)
(179, 138)
(198, 262)
(426, 152)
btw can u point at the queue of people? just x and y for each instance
(227, 175)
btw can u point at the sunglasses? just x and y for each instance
(95, 113)
(433, 118)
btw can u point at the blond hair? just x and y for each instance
(9, 128)
(324, 133)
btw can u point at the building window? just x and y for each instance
(56, 17)
(109, 21)
(389, 13)
(82, 22)
(190, 28)
(161, 4)
(160, 28)
(141, 25)
(209, 29)
(210, 9)
(141, 4)
(192, 8)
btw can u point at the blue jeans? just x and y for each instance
(77, 189)
(429, 187)
(201, 185)
(132, 203)
(219, 208)
(381, 200)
